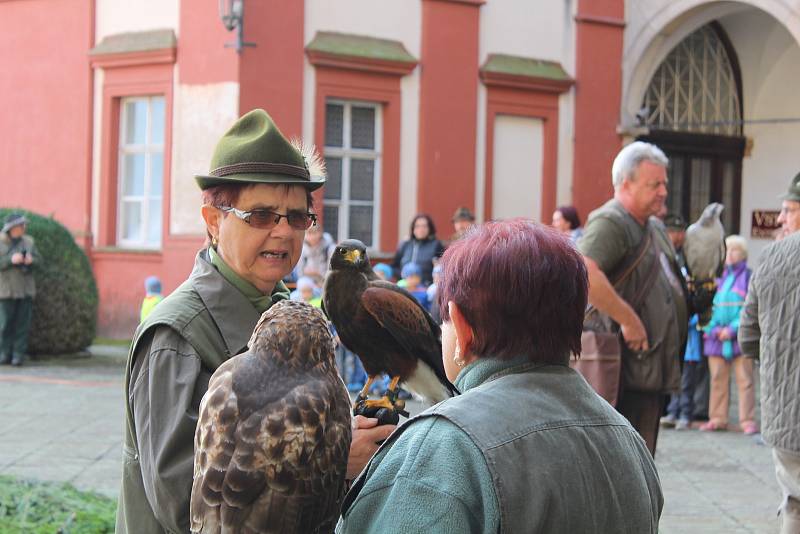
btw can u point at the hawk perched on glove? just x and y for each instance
(273, 436)
(385, 326)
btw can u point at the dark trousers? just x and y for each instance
(682, 406)
(702, 388)
(643, 411)
(15, 321)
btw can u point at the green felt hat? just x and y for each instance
(254, 151)
(794, 190)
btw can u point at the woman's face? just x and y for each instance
(421, 228)
(449, 350)
(262, 257)
(560, 223)
(733, 255)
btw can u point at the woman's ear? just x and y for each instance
(464, 333)
(212, 217)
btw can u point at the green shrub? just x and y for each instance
(47, 508)
(65, 307)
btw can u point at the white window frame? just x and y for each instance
(148, 149)
(347, 153)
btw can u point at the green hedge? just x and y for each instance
(65, 308)
(47, 508)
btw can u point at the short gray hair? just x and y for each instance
(629, 158)
(737, 241)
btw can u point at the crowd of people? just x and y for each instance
(482, 460)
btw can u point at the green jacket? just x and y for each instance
(16, 281)
(525, 448)
(173, 355)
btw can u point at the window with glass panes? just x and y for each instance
(141, 172)
(352, 157)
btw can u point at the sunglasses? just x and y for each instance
(264, 219)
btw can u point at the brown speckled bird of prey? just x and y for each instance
(273, 437)
(385, 326)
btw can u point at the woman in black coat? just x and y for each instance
(421, 248)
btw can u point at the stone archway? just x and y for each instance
(651, 35)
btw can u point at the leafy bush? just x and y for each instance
(47, 508)
(65, 307)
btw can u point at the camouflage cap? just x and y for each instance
(794, 190)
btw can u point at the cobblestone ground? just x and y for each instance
(62, 421)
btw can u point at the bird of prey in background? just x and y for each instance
(273, 435)
(386, 327)
(704, 250)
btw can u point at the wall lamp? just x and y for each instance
(231, 12)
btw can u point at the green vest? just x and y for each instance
(216, 320)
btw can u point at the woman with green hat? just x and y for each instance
(257, 206)
(18, 255)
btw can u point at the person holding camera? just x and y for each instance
(18, 255)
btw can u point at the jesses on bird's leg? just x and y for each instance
(387, 409)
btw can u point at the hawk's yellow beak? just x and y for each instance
(352, 256)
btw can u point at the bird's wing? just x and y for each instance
(284, 469)
(300, 448)
(214, 444)
(410, 325)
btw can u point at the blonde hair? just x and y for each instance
(737, 241)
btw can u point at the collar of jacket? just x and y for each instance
(482, 369)
(259, 300)
(234, 314)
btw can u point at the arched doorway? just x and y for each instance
(693, 110)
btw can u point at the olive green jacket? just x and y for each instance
(172, 357)
(16, 281)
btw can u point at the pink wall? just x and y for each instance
(45, 119)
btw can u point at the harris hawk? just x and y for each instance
(387, 328)
(273, 434)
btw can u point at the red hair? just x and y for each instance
(521, 286)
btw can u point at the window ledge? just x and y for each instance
(358, 52)
(133, 254)
(525, 73)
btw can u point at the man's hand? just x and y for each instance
(366, 436)
(635, 335)
(28, 259)
(17, 258)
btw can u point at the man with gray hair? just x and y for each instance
(634, 279)
(769, 330)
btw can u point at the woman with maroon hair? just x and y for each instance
(528, 446)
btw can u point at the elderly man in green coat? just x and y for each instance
(18, 255)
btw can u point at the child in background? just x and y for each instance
(432, 290)
(383, 271)
(152, 288)
(307, 291)
(681, 407)
(412, 276)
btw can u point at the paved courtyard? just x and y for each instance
(62, 420)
